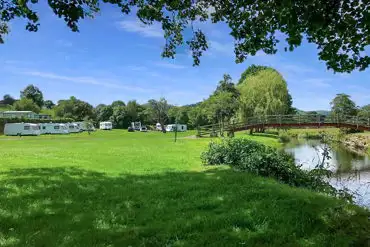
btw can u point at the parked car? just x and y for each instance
(130, 129)
(143, 129)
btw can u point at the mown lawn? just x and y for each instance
(142, 189)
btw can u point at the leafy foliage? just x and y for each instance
(265, 93)
(49, 104)
(256, 158)
(364, 111)
(159, 110)
(227, 86)
(33, 93)
(251, 71)
(118, 117)
(73, 108)
(340, 29)
(26, 104)
(342, 105)
(103, 112)
(8, 100)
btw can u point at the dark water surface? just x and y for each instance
(352, 170)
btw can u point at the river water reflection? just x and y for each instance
(351, 170)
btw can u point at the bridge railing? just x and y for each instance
(285, 120)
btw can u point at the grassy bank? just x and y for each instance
(142, 189)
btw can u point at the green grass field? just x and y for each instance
(142, 189)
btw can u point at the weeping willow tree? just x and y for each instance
(264, 93)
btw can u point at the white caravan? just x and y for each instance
(22, 129)
(158, 126)
(54, 128)
(180, 127)
(73, 128)
(106, 126)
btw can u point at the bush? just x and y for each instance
(256, 158)
(284, 137)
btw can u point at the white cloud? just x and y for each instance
(135, 26)
(85, 80)
(318, 82)
(169, 65)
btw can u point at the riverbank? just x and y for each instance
(355, 142)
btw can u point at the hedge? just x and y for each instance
(3, 121)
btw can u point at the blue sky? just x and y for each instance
(115, 57)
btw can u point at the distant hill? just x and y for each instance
(321, 112)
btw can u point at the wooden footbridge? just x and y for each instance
(286, 121)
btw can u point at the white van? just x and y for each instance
(22, 129)
(106, 126)
(180, 127)
(73, 128)
(54, 128)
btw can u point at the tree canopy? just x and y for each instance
(342, 105)
(251, 70)
(8, 100)
(33, 93)
(26, 104)
(49, 104)
(340, 29)
(264, 93)
(364, 111)
(73, 108)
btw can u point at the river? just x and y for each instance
(351, 170)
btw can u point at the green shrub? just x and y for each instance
(284, 137)
(249, 156)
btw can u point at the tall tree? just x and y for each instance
(49, 104)
(340, 29)
(250, 71)
(220, 107)
(197, 116)
(133, 110)
(103, 112)
(264, 93)
(74, 108)
(26, 104)
(118, 103)
(178, 114)
(227, 86)
(364, 112)
(118, 117)
(8, 100)
(159, 110)
(342, 105)
(34, 93)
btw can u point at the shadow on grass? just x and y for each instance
(74, 207)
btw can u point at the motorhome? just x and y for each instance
(106, 126)
(73, 128)
(21, 129)
(179, 127)
(54, 128)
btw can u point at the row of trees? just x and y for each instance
(342, 105)
(260, 91)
